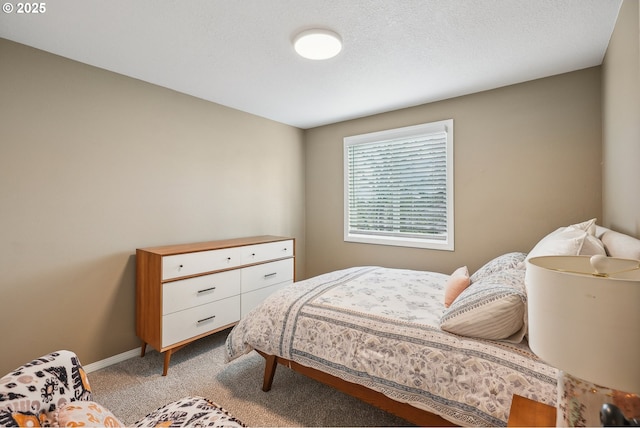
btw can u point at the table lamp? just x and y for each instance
(584, 319)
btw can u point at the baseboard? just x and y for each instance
(111, 360)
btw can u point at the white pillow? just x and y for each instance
(588, 226)
(620, 245)
(573, 240)
(592, 245)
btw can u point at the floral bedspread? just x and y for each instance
(378, 327)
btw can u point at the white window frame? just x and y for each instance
(444, 242)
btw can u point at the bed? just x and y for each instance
(385, 336)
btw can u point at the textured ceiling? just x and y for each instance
(397, 53)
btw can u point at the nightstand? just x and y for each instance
(528, 413)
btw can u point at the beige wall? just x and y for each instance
(621, 123)
(527, 160)
(94, 165)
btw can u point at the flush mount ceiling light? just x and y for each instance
(317, 44)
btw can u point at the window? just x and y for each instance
(398, 186)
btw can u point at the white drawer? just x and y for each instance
(269, 251)
(266, 274)
(253, 298)
(188, 323)
(187, 293)
(202, 261)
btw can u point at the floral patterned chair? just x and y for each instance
(54, 390)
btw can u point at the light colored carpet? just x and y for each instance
(135, 387)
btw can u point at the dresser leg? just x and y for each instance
(167, 359)
(143, 349)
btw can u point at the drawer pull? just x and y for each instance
(206, 289)
(269, 275)
(206, 319)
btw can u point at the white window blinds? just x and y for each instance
(398, 186)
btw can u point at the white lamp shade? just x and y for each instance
(586, 325)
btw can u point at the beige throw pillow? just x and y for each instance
(493, 308)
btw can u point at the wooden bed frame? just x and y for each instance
(616, 245)
(405, 411)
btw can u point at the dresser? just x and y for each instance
(189, 291)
